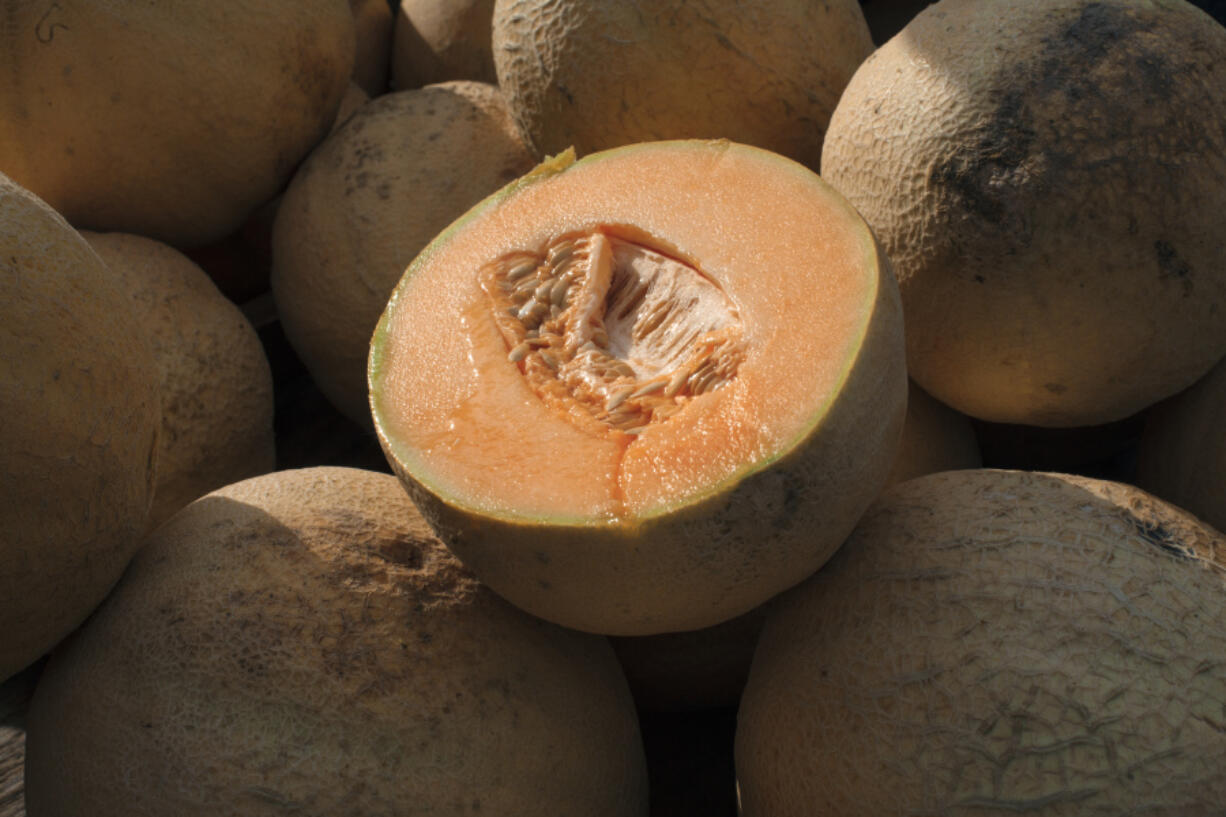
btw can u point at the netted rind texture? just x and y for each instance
(596, 75)
(993, 642)
(78, 435)
(300, 642)
(1047, 177)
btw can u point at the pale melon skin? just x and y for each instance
(1048, 178)
(79, 435)
(594, 75)
(1181, 455)
(707, 668)
(173, 119)
(695, 565)
(441, 40)
(216, 384)
(301, 642)
(365, 203)
(993, 642)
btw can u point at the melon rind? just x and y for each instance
(721, 552)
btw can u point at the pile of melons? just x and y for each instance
(609, 409)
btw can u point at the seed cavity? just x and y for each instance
(613, 333)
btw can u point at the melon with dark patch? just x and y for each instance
(1048, 178)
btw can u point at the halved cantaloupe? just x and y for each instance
(645, 391)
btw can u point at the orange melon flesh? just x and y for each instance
(792, 256)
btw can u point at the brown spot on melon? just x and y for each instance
(1046, 178)
(269, 652)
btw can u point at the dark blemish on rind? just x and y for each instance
(564, 91)
(1099, 28)
(1172, 266)
(1156, 534)
(979, 279)
(383, 190)
(542, 557)
(1056, 388)
(1169, 260)
(403, 552)
(544, 585)
(981, 177)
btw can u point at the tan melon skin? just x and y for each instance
(365, 203)
(1181, 455)
(216, 384)
(300, 642)
(594, 75)
(992, 642)
(1047, 177)
(441, 40)
(708, 668)
(172, 119)
(78, 440)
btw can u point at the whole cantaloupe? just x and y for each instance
(301, 643)
(1048, 178)
(592, 75)
(216, 384)
(78, 438)
(172, 119)
(365, 203)
(997, 642)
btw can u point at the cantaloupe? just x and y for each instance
(706, 668)
(645, 391)
(1181, 452)
(442, 40)
(78, 438)
(170, 119)
(216, 384)
(997, 642)
(593, 74)
(1048, 178)
(301, 643)
(365, 203)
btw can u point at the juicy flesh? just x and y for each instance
(611, 334)
(794, 268)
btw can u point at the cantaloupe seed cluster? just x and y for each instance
(612, 334)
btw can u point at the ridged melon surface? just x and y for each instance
(1047, 177)
(592, 74)
(301, 643)
(997, 642)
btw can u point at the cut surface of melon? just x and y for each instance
(606, 343)
(656, 375)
